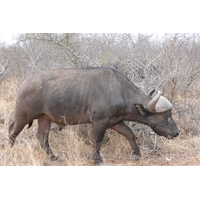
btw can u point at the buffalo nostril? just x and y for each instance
(177, 133)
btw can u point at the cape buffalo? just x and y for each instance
(100, 96)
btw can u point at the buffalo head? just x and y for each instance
(158, 116)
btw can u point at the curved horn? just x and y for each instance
(151, 107)
(163, 105)
(159, 104)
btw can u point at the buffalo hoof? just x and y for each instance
(97, 160)
(53, 158)
(11, 141)
(136, 157)
(98, 163)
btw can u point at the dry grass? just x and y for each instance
(74, 150)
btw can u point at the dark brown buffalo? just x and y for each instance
(100, 96)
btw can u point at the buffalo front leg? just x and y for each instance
(98, 135)
(43, 136)
(124, 130)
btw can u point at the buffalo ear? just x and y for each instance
(141, 109)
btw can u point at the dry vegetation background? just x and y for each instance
(170, 64)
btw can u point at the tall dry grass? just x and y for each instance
(74, 148)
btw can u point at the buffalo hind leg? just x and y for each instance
(44, 126)
(124, 130)
(14, 130)
(98, 134)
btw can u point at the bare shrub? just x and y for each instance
(170, 64)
